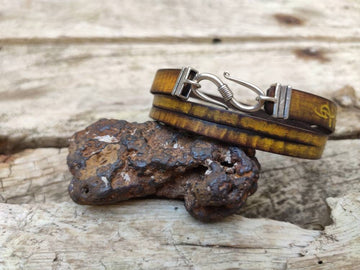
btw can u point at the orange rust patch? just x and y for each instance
(107, 156)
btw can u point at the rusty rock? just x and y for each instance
(113, 161)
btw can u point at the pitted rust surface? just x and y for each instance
(113, 161)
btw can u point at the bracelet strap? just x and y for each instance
(308, 108)
(259, 130)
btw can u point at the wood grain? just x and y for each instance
(295, 190)
(65, 235)
(64, 64)
(50, 91)
(290, 189)
(34, 175)
(338, 246)
(131, 21)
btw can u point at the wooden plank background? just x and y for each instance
(65, 64)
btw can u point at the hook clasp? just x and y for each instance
(189, 81)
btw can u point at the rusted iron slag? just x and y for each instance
(113, 161)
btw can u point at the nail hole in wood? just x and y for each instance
(216, 40)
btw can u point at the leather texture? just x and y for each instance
(303, 135)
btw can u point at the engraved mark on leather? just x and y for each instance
(325, 113)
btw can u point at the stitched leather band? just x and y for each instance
(256, 130)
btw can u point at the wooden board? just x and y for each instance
(39, 175)
(131, 21)
(338, 246)
(50, 91)
(295, 190)
(290, 189)
(65, 235)
(67, 63)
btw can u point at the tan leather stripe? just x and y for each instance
(234, 135)
(242, 121)
(313, 109)
(164, 81)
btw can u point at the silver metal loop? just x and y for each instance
(192, 82)
(251, 86)
(189, 81)
(214, 79)
(254, 88)
(267, 98)
(226, 92)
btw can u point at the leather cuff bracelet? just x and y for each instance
(283, 121)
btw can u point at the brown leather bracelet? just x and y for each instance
(305, 139)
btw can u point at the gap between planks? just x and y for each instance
(163, 40)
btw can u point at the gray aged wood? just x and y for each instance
(295, 190)
(338, 246)
(127, 20)
(290, 189)
(34, 175)
(61, 51)
(69, 236)
(73, 86)
(66, 63)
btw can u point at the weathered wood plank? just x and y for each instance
(39, 175)
(65, 235)
(50, 91)
(339, 245)
(126, 237)
(290, 189)
(67, 63)
(295, 190)
(186, 20)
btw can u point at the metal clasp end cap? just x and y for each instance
(283, 99)
(182, 88)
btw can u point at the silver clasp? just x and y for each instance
(189, 81)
